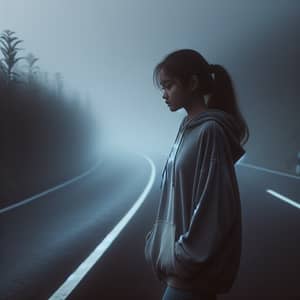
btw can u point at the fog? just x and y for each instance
(107, 51)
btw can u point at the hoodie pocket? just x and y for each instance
(159, 247)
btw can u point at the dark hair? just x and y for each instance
(182, 64)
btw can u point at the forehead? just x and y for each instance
(163, 77)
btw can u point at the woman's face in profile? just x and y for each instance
(173, 91)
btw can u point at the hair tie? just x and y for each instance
(212, 68)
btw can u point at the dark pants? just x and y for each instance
(179, 294)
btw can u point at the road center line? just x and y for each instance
(283, 198)
(73, 280)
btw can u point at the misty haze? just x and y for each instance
(86, 134)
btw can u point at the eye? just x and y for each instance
(167, 86)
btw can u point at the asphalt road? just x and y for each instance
(44, 241)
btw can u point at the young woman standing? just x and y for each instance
(194, 246)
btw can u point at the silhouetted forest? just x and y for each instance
(46, 136)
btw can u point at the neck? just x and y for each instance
(194, 107)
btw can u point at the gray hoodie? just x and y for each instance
(195, 242)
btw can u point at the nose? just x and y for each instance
(164, 95)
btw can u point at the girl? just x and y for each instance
(194, 246)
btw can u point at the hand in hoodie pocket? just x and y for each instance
(159, 247)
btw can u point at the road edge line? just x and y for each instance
(28, 200)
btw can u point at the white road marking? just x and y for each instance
(73, 280)
(27, 200)
(268, 170)
(283, 198)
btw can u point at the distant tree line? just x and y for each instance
(46, 136)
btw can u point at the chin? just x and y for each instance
(173, 108)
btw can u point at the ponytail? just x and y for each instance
(215, 81)
(223, 97)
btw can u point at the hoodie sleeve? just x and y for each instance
(214, 203)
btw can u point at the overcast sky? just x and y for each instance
(109, 49)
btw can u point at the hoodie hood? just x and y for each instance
(224, 119)
(229, 125)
